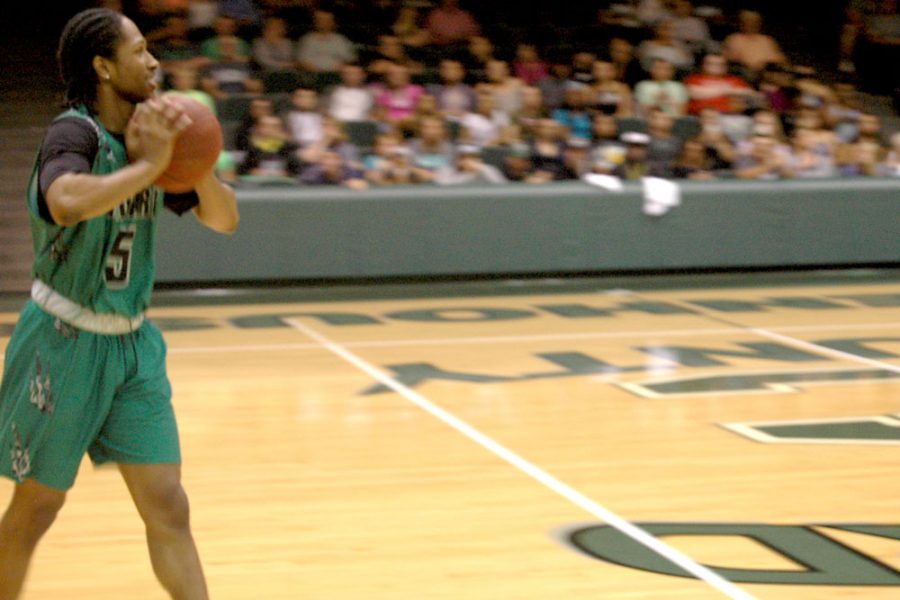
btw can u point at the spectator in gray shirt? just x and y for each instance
(324, 50)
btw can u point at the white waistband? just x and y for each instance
(80, 317)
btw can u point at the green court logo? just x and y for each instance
(881, 430)
(814, 552)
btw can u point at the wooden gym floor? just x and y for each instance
(520, 440)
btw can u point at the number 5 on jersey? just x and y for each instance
(118, 261)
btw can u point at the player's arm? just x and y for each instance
(78, 196)
(217, 208)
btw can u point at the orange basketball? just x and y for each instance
(196, 150)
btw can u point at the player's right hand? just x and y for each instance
(152, 130)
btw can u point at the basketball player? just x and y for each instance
(84, 371)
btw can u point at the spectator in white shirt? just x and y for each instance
(352, 100)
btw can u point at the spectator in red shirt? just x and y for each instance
(713, 87)
(448, 24)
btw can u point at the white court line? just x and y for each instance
(636, 533)
(792, 341)
(505, 339)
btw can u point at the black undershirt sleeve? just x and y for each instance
(70, 146)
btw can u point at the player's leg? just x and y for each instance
(50, 403)
(31, 511)
(163, 505)
(140, 435)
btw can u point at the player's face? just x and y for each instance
(134, 68)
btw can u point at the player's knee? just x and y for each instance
(167, 507)
(32, 511)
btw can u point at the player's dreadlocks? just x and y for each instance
(90, 33)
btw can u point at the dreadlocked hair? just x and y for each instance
(90, 33)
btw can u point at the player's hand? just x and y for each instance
(153, 129)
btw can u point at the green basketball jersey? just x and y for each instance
(107, 263)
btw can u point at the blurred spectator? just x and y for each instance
(634, 166)
(351, 100)
(331, 169)
(517, 165)
(664, 148)
(426, 107)
(271, 153)
(583, 68)
(713, 87)
(878, 56)
(764, 161)
(334, 139)
(859, 156)
(862, 159)
(260, 106)
(765, 122)
(390, 51)
(323, 49)
(482, 126)
(628, 67)
(689, 29)
(611, 96)
(553, 88)
(532, 111)
(430, 148)
(399, 169)
(750, 48)
(468, 168)
(812, 158)
(479, 52)
(201, 16)
(185, 81)
(244, 13)
(273, 50)
(230, 74)
(510, 135)
(664, 46)
(173, 47)
(454, 96)
(304, 118)
(407, 28)
(528, 65)
(844, 110)
(576, 159)
(506, 89)
(811, 119)
(379, 158)
(574, 115)
(652, 12)
(397, 98)
(693, 162)
(720, 150)
(661, 92)
(547, 151)
(777, 88)
(225, 36)
(891, 165)
(607, 146)
(850, 29)
(449, 24)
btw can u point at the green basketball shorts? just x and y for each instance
(66, 391)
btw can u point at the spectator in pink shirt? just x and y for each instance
(397, 98)
(528, 66)
(448, 24)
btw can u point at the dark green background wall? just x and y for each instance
(315, 233)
